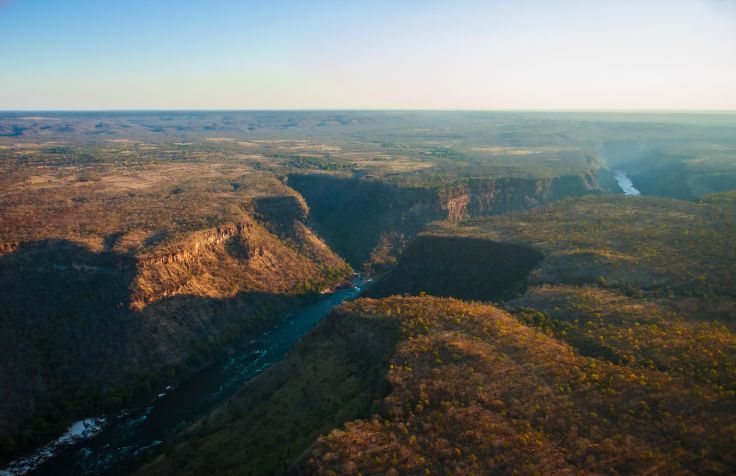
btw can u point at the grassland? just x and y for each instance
(412, 148)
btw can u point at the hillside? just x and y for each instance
(467, 268)
(596, 375)
(146, 274)
(475, 391)
(472, 391)
(655, 245)
(330, 377)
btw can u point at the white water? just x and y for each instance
(625, 183)
(79, 430)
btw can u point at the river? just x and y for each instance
(123, 438)
(625, 183)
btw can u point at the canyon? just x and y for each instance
(144, 257)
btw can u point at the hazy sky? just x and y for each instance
(453, 54)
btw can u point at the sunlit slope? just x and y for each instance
(473, 390)
(470, 390)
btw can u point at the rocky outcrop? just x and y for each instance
(6, 248)
(489, 196)
(187, 252)
(235, 258)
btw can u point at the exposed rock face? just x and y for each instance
(478, 197)
(224, 261)
(368, 221)
(189, 251)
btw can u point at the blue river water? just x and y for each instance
(123, 438)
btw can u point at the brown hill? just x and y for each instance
(143, 284)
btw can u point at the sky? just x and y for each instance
(368, 54)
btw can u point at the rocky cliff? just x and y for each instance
(490, 196)
(235, 258)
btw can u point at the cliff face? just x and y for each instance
(489, 196)
(235, 258)
(369, 221)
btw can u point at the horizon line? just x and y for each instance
(562, 110)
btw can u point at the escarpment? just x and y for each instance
(368, 221)
(286, 217)
(490, 196)
(356, 216)
(231, 259)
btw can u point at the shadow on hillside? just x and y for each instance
(72, 348)
(464, 268)
(352, 214)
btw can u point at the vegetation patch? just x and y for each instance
(475, 391)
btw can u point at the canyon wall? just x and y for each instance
(369, 221)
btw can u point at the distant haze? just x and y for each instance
(380, 54)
